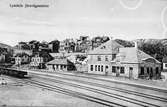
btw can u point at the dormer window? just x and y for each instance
(98, 58)
(106, 58)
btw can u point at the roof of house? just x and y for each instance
(106, 48)
(133, 55)
(62, 61)
(56, 54)
(66, 54)
(21, 54)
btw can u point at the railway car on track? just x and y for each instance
(13, 72)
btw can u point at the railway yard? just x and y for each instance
(61, 89)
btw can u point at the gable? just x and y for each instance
(150, 60)
(109, 47)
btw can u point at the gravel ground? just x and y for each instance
(14, 94)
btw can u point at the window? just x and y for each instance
(38, 59)
(113, 69)
(165, 65)
(106, 67)
(113, 56)
(91, 67)
(61, 67)
(106, 58)
(95, 67)
(102, 68)
(131, 68)
(98, 58)
(98, 67)
(122, 70)
(148, 70)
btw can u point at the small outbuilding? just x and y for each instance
(60, 64)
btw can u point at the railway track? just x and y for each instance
(88, 77)
(75, 94)
(114, 88)
(59, 89)
(102, 92)
(106, 93)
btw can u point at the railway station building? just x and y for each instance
(113, 59)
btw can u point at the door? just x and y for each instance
(130, 72)
(117, 71)
(151, 73)
(106, 70)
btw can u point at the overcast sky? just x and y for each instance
(125, 19)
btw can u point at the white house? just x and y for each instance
(22, 58)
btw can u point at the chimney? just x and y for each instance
(136, 45)
(111, 37)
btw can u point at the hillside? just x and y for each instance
(157, 48)
(152, 41)
(2, 45)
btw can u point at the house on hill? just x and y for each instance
(54, 46)
(21, 58)
(39, 59)
(111, 58)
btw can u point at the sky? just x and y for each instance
(123, 19)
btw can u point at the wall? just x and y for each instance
(93, 60)
(153, 66)
(126, 70)
(164, 67)
(35, 61)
